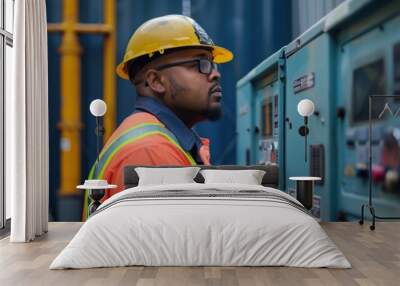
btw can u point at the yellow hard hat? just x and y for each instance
(169, 32)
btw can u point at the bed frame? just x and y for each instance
(270, 179)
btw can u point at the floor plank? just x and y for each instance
(374, 255)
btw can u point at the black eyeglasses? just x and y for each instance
(205, 66)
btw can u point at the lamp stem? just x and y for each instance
(370, 152)
(305, 148)
(305, 138)
(98, 142)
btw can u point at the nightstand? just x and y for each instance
(97, 190)
(304, 190)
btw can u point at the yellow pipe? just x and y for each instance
(70, 124)
(94, 28)
(55, 27)
(70, 52)
(109, 69)
(81, 28)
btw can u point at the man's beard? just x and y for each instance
(213, 113)
(210, 113)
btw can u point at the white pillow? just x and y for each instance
(162, 176)
(249, 177)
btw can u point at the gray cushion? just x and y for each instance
(270, 179)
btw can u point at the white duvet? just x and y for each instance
(183, 231)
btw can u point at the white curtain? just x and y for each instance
(27, 148)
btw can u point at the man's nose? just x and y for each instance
(214, 75)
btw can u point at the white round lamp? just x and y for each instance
(305, 108)
(98, 108)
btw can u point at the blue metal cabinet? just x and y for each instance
(244, 124)
(266, 112)
(311, 67)
(260, 114)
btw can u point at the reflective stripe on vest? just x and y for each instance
(131, 135)
(128, 136)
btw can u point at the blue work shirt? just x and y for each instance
(188, 139)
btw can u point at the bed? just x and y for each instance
(201, 224)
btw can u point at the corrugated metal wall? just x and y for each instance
(306, 12)
(91, 80)
(54, 40)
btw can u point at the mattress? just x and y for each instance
(201, 225)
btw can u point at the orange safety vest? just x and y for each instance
(141, 139)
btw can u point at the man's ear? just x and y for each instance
(154, 81)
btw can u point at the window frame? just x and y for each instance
(380, 58)
(396, 67)
(6, 39)
(267, 118)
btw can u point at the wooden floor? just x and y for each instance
(374, 255)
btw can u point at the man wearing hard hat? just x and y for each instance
(172, 63)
